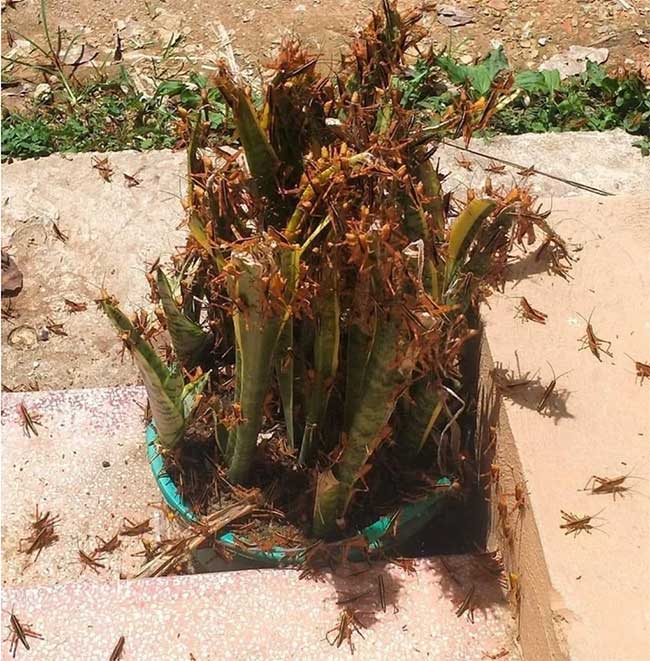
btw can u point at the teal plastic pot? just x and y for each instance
(410, 519)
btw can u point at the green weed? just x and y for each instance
(593, 101)
(108, 116)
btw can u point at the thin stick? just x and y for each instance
(569, 182)
(382, 592)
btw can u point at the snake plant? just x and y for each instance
(331, 279)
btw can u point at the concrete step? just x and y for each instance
(87, 465)
(268, 614)
(584, 597)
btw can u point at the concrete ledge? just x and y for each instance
(603, 160)
(268, 615)
(114, 231)
(583, 598)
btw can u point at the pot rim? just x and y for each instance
(411, 518)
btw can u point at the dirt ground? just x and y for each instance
(530, 30)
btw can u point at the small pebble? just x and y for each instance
(106, 464)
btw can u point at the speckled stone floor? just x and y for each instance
(87, 464)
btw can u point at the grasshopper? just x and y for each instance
(592, 342)
(134, 529)
(75, 307)
(348, 625)
(55, 327)
(600, 485)
(19, 633)
(108, 547)
(543, 402)
(527, 311)
(527, 172)
(92, 561)
(131, 180)
(467, 605)
(29, 420)
(43, 534)
(103, 166)
(495, 168)
(576, 524)
(642, 369)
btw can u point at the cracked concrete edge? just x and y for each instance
(539, 608)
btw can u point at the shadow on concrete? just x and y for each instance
(471, 582)
(529, 391)
(367, 589)
(531, 263)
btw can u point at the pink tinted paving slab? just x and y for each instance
(88, 466)
(270, 614)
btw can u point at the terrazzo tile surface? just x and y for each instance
(269, 614)
(64, 470)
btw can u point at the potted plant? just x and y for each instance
(319, 310)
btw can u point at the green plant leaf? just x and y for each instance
(191, 394)
(257, 330)
(479, 76)
(386, 375)
(326, 360)
(285, 360)
(190, 341)
(262, 160)
(163, 385)
(552, 80)
(463, 230)
(417, 416)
